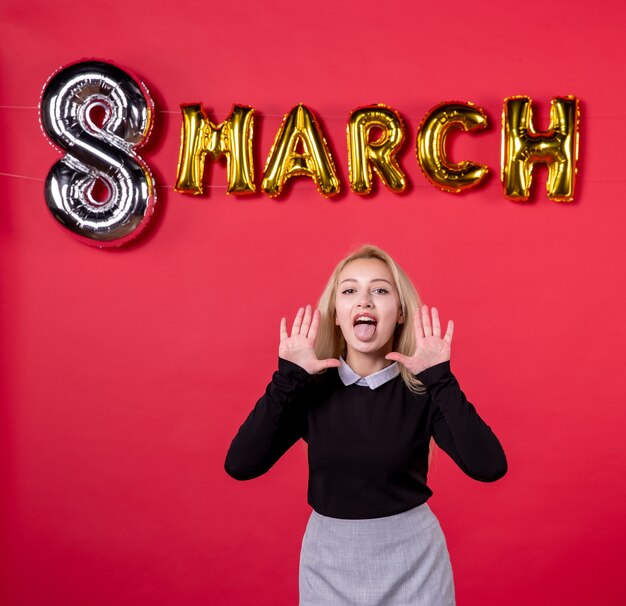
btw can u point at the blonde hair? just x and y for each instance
(330, 342)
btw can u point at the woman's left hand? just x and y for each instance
(430, 348)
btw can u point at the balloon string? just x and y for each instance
(419, 185)
(261, 114)
(166, 111)
(17, 107)
(21, 177)
(157, 185)
(343, 117)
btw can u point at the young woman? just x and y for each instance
(365, 380)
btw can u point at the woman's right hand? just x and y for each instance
(299, 347)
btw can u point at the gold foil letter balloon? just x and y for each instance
(284, 161)
(431, 146)
(363, 154)
(232, 138)
(523, 147)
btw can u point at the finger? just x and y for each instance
(397, 357)
(428, 329)
(330, 363)
(449, 332)
(419, 330)
(283, 329)
(315, 322)
(306, 321)
(295, 329)
(436, 324)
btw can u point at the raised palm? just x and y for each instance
(430, 347)
(299, 347)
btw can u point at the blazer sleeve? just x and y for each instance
(276, 422)
(459, 430)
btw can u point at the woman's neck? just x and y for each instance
(365, 364)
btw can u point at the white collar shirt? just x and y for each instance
(349, 377)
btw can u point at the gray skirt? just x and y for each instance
(396, 560)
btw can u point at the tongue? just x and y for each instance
(364, 332)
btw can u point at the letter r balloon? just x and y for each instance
(365, 155)
(98, 152)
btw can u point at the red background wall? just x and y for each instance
(125, 373)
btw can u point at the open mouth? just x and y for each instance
(364, 326)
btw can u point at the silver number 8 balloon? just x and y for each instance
(95, 152)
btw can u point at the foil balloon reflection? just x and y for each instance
(232, 139)
(431, 146)
(379, 154)
(523, 147)
(300, 129)
(98, 114)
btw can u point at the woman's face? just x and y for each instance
(367, 307)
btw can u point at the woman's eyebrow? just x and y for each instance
(374, 280)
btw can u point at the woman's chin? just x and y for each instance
(373, 347)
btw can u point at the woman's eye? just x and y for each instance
(381, 291)
(348, 291)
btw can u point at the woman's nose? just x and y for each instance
(365, 301)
